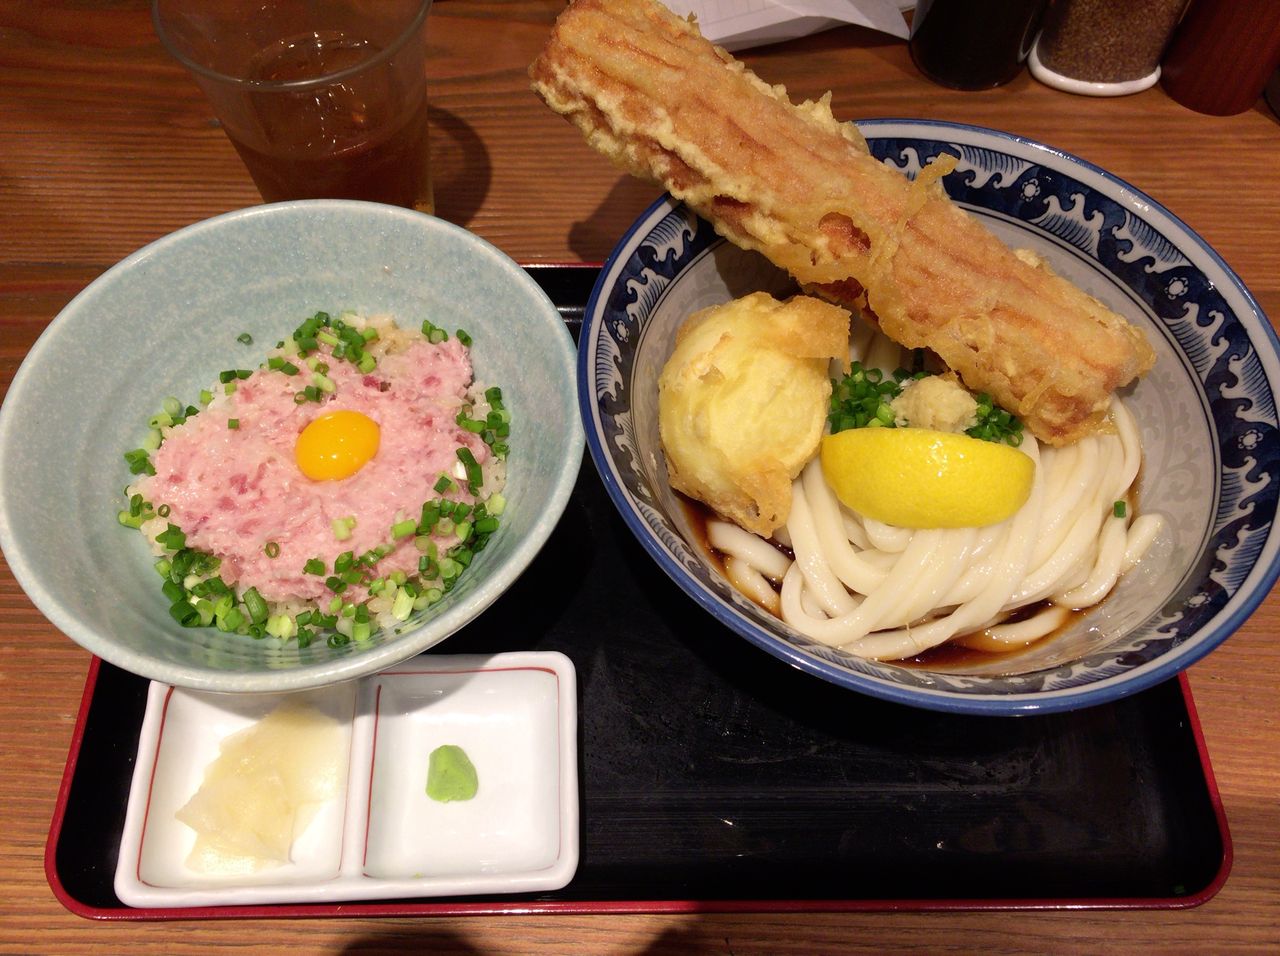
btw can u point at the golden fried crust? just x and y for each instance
(796, 185)
(743, 399)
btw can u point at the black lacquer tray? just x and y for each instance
(715, 777)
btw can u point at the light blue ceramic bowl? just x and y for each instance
(1207, 414)
(164, 322)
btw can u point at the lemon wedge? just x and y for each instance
(920, 478)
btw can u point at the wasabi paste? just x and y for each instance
(451, 774)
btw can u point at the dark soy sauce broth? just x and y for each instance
(949, 656)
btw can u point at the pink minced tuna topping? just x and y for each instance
(233, 490)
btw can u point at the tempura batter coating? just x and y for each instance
(647, 90)
(743, 399)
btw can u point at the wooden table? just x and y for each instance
(105, 145)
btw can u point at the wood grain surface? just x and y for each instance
(105, 145)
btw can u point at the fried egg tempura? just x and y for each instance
(742, 402)
(648, 91)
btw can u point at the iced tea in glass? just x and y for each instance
(320, 99)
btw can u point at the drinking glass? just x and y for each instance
(321, 98)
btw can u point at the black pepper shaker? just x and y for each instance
(973, 44)
(1104, 47)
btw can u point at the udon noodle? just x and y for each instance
(891, 593)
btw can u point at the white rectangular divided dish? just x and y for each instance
(380, 836)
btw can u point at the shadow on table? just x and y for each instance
(625, 202)
(461, 170)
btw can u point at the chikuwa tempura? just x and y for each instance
(790, 181)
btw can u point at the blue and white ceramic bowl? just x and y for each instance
(1207, 412)
(164, 322)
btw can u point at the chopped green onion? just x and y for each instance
(184, 613)
(443, 483)
(139, 462)
(255, 606)
(1118, 509)
(861, 399)
(172, 538)
(233, 423)
(402, 607)
(272, 550)
(280, 625)
(402, 529)
(474, 425)
(244, 338)
(994, 424)
(463, 337)
(433, 333)
(474, 475)
(313, 566)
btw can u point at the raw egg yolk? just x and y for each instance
(336, 445)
